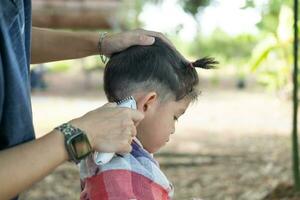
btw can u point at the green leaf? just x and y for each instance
(256, 62)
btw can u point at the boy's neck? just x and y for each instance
(140, 144)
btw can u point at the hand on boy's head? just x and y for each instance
(117, 42)
(157, 34)
(110, 128)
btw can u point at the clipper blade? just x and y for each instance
(128, 102)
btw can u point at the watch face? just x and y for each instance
(81, 146)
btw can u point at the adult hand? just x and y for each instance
(113, 43)
(110, 128)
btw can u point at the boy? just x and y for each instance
(163, 84)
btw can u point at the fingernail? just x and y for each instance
(150, 40)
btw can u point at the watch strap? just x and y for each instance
(69, 132)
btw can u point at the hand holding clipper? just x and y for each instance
(103, 158)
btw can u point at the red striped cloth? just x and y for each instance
(131, 176)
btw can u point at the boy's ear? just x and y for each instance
(146, 101)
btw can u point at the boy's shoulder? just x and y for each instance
(138, 160)
(136, 168)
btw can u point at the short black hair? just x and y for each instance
(158, 67)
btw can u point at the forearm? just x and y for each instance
(53, 45)
(28, 163)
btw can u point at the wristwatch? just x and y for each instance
(76, 142)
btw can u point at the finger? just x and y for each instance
(162, 37)
(157, 34)
(139, 38)
(133, 131)
(136, 123)
(130, 132)
(126, 149)
(109, 105)
(130, 140)
(145, 40)
(136, 116)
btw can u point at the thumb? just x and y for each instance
(145, 40)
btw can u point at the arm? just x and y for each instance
(53, 45)
(25, 164)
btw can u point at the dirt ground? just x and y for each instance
(230, 145)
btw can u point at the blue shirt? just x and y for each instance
(15, 105)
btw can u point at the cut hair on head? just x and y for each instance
(158, 67)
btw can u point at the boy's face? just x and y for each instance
(159, 123)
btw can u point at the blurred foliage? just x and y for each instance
(229, 48)
(90, 63)
(267, 54)
(273, 56)
(189, 6)
(61, 66)
(270, 14)
(134, 7)
(193, 6)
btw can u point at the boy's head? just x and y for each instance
(162, 82)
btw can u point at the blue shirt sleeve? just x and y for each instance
(1, 69)
(1, 88)
(16, 124)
